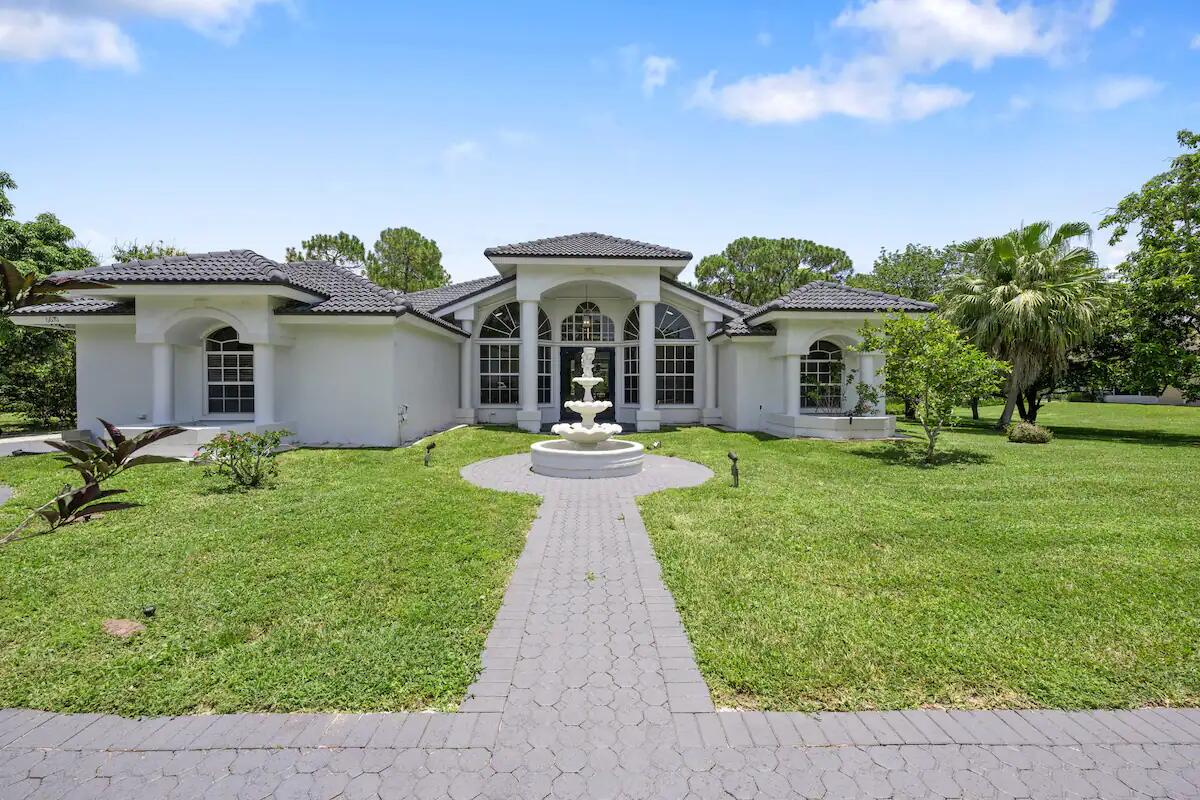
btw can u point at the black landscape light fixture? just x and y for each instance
(429, 451)
(733, 467)
(149, 611)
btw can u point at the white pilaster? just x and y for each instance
(711, 414)
(529, 418)
(264, 384)
(648, 419)
(466, 374)
(163, 368)
(791, 384)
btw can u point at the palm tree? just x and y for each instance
(19, 289)
(1028, 297)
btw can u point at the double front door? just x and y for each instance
(570, 365)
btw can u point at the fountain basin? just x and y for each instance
(586, 435)
(613, 458)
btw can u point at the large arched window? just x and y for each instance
(229, 373)
(821, 377)
(587, 324)
(500, 364)
(675, 364)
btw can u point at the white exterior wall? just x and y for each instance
(335, 385)
(425, 379)
(113, 376)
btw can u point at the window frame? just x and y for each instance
(601, 324)
(506, 351)
(244, 351)
(673, 383)
(830, 354)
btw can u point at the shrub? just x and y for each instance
(1081, 397)
(247, 459)
(1028, 433)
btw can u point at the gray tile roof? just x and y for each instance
(434, 299)
(225, 266)
(80, 305)
(826, 296)
(587, 245)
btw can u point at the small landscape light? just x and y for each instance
(149, 611)
(733, 467)
(429, 451)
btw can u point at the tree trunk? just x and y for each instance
(1033, 405)
(1009, 405)
(1022, 412)
(974, 408)
(931, 435)
(910, 409)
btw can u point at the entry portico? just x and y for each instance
(236, 341)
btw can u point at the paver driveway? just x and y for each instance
(589, 689)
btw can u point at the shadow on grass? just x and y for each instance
(912, 454)
(1084, 433)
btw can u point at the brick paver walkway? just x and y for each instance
(589, 689)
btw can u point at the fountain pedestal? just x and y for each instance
(586, 449)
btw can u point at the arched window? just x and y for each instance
(587, 324)
(500, 364)
(505, 323)
(675, 364)
(821, 377)
(669, 323)
(229, 373)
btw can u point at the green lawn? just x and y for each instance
(362, 581)
(14, 424)
(847, 576)
(838, 576)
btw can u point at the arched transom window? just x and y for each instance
(229, 373)
(587, 324)
(505, 323)
(821, 377)
(675, 363)
(500, 364)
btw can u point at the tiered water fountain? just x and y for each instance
(586, 449)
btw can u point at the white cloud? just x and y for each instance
(654, 72)
(862, 90)
(1101, 11)
(41, 35)
(905, 40)
(89, 31)
(461, 152)
(927, 34)
(1116, 91)
(764, 39)
(1196, 42)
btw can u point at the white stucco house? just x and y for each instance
(234, 340)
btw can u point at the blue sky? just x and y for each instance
(861, 124)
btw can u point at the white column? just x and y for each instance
(711, 414)
(466, 374)
(163, 410)
(648, 419)
(791, 384)
(529, 418)
(264, 384)
(870, 365)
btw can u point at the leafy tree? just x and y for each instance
(37, 366)
(928, 363)
(341, 248)
(754, 269)
(1028, 297)
(918, 271)
(135, 251)
(405, 260)
(1164, 274)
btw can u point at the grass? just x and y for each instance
(361, 581)
(14, 424)
(849, 576)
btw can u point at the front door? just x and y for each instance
(571, 366)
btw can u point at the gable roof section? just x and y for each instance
(827, 296)
(587, 245)
(442, 296)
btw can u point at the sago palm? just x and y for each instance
(1028, 297)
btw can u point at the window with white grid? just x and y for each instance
(499, 374)
(587, 324)
(631, 375)
(675, 382)
(229, 373)
(821, 376)
(543, 378)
